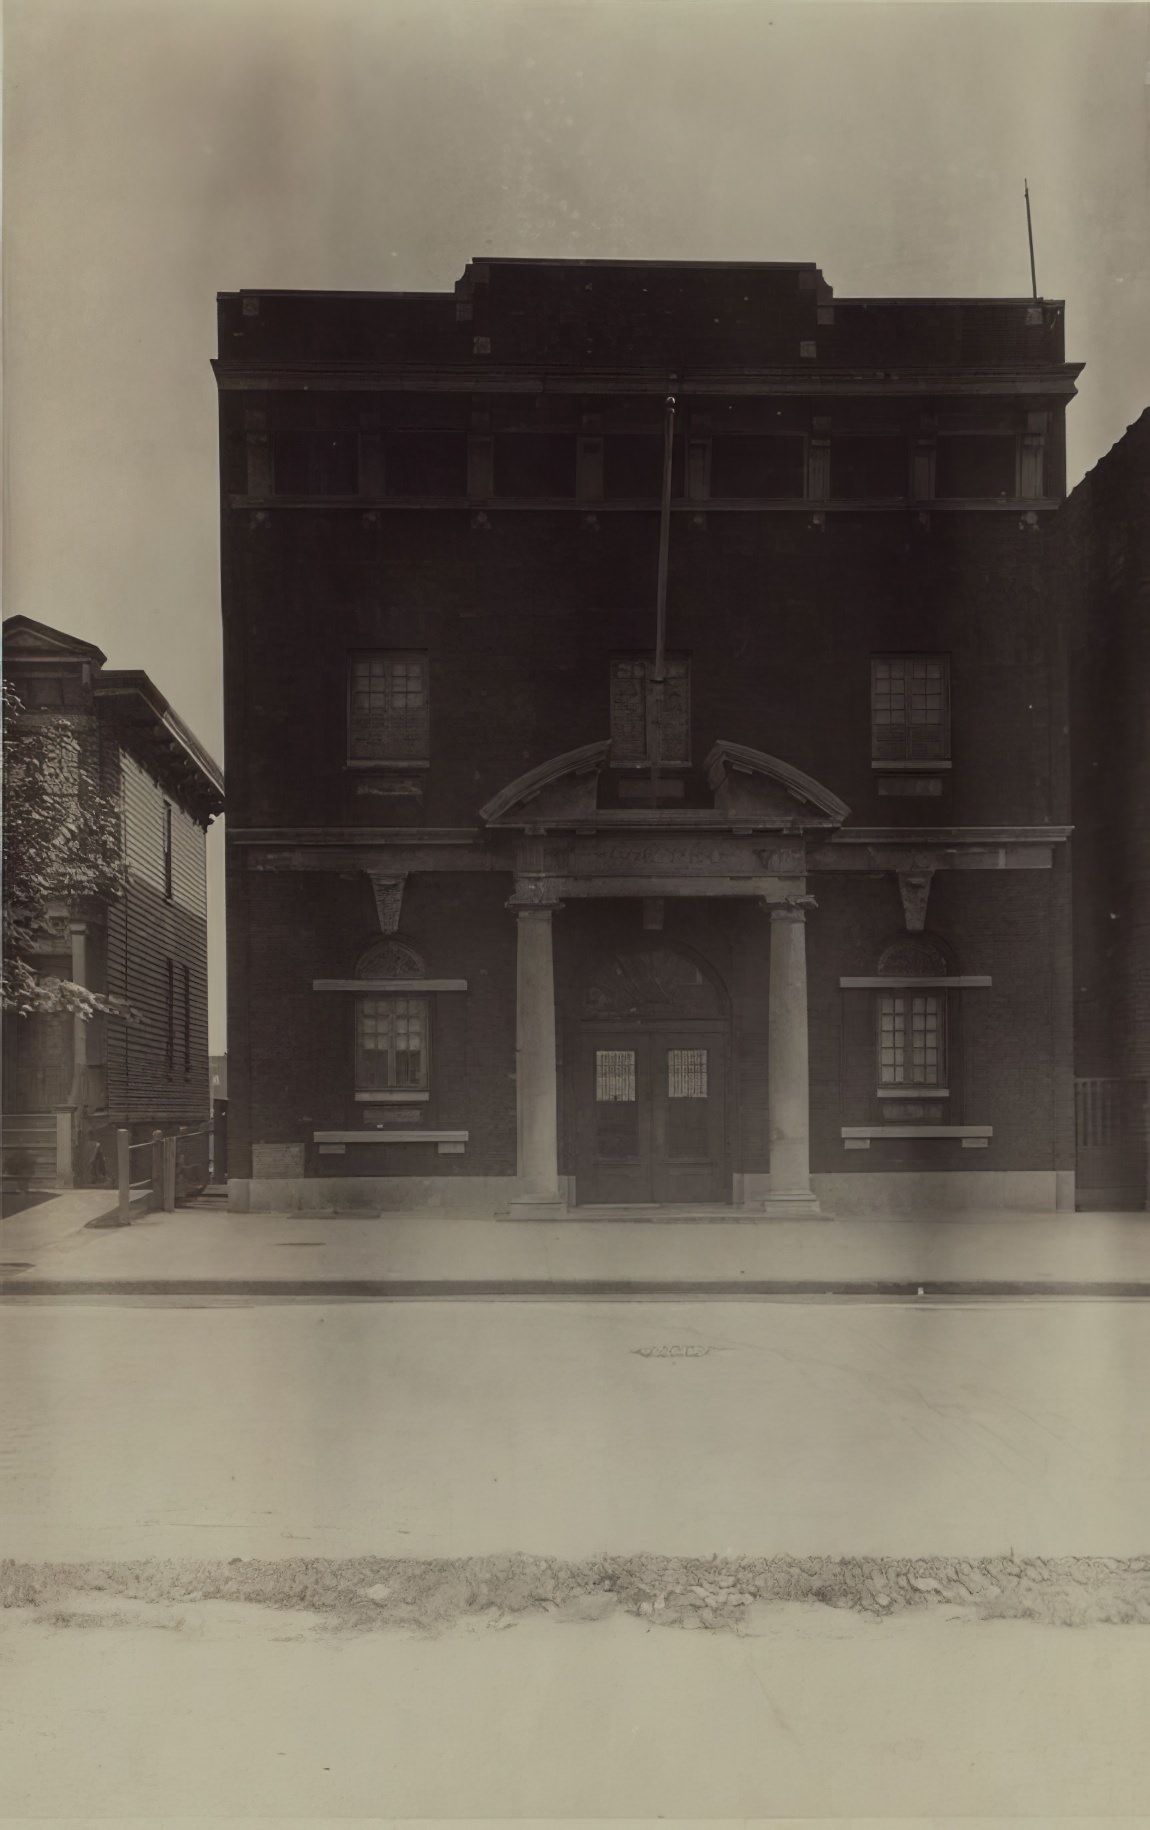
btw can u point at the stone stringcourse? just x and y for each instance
(693, 1593)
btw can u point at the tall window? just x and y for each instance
(388, 713)
(911, 1039)
(910, 708)
(632, 694)
(170, 1014)
(187, 987)
(391, 1044)
(168, 850)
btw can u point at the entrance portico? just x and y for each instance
(665, 1077)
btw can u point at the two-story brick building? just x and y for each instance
(70, 1082)
(489, 949)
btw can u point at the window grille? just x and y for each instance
(391, 1044)
(389, 711)
(912, 1039)
(614, 1075)
(910, 708)
(686, 1073)
(631, 709)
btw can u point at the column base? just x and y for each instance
(534, 1207)
(803, 1205)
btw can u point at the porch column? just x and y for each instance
(791, 1195)
(536, 1093)
(78, 933)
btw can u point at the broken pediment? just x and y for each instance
(752, 788)
(561, 790)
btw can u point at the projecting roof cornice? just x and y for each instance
(812, 378)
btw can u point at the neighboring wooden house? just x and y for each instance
(69, 1083)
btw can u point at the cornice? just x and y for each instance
(793, 379)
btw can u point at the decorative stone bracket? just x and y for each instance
(914, 888)
(388, 893)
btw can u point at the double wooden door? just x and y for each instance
(651, 1106)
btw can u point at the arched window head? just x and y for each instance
(912, 956)
(390, 959)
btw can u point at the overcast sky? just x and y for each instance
(160, 151)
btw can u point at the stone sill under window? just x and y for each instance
(392, 1099)
(923, 1093)
(391, 765)
(972, 1134)
(911, 768)
(644, 768)
(391, 1137)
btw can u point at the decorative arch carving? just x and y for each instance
(916, 956)
(390, 959)
(651, 984)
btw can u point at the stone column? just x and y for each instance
(536, 1090)
(78, 934)
(791, 1195)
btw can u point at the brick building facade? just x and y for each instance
(484, 954)
(1104, 577)
(70, 1083)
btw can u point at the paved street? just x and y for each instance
(161, 1428)
(207, 1712)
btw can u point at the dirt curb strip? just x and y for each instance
(713, 1594)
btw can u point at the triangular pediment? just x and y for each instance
(28, 640)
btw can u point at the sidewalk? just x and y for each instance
(196, 1251)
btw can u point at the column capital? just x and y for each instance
(792, 908)
(521, 904)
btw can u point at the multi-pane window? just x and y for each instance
(388, 708)
(314, 463)
(632, 713)
(391, 1044)
(168, 850)
(910, 708)
(911, 1039)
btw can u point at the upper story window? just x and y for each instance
(167, 841)
(757, 465)
(535, 464)
(388, 709)
(633, 466)
(910, 708)
(421, 462)
(976, 464)
(316, 463)
(869, 466)
(632, 695)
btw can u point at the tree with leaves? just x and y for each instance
(62, 851)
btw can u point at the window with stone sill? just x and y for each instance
(392, 1052)
(388, 708)
(910, 708)
(911, 1041)
(315, 463)
(632, 714)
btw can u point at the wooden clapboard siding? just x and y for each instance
(146, 929)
